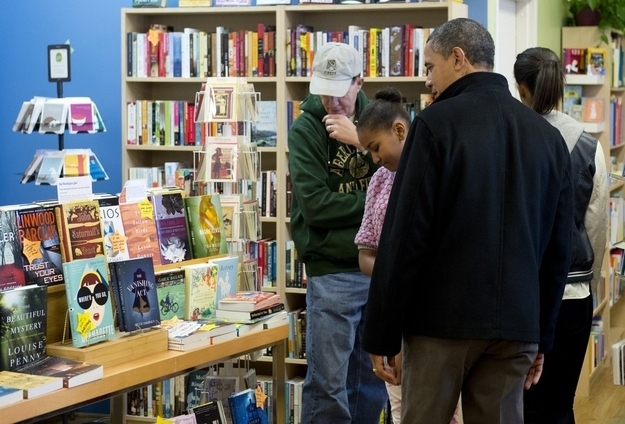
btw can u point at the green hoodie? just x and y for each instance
(330, 181)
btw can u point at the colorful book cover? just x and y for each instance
(139, 226)
(11, 269)
(244, 409)
(201, 291)
(135, 286)
(41, 245)
(171, 227)
(115, 238)
(50, 169)
(80, 230)
(170, 287)
(9, 395)
(24, 324)
(76, 163)
(206, 225)
(81, 118)
(90, 308)
(227, 275)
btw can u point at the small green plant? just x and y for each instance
(612, 13)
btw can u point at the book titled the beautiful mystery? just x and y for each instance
(24, 323)
(134, 285)
(90, 308)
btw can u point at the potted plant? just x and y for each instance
(607, 14)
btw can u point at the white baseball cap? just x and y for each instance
(334, 67)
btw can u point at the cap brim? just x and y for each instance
(326, 87)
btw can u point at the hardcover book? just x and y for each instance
(31, 385)
(9, 395)
(245, 410)
(90, 309)
(171, 227)
(73, 373)
(80, 230)
(195, 383)
(11, 267)
(170, 287)
(201, 291)
(115, 246)
(206, 225)
(249, 301)
(249, 317)
(24, 325)
(134, 285)
(41, 245)
(139, 227)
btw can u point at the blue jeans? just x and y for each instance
(340, 386)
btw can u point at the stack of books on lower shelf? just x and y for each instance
(249, 306)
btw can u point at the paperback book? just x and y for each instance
(90, 309)
(30, 385)
(251, 316)
(210, 412)
(134, 285)
(73, 373)
(244, 408)
(115, 246)
(9, 395)
(24, 324)
(41, 245)
(227, 275)
(218, 388)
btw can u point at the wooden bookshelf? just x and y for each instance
(135, 373)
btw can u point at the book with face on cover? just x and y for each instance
(90, 308)
(24, 324)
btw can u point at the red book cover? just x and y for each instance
(261, 50)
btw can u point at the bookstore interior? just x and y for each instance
(180, 297)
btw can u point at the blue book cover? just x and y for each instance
(177, 54)
(9, 395)
(135, 283)
(244, 409)
(227, 275)
(90, 307)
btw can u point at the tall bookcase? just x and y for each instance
(280, 87)
(611, 313)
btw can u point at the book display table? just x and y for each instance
(134, 373)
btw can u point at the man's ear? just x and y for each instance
(359, 82)
(459, 58)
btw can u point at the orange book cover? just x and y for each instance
(592, 109)
(140, 230)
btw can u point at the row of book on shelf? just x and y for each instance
(163, 51)
(173, 123)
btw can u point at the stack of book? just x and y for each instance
(185, 335)
(249, 306)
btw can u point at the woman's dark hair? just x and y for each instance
(383, 111)
(539, 69)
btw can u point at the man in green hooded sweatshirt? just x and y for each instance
(330, 172)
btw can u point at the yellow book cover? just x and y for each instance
(75, 164)
(32, 385)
